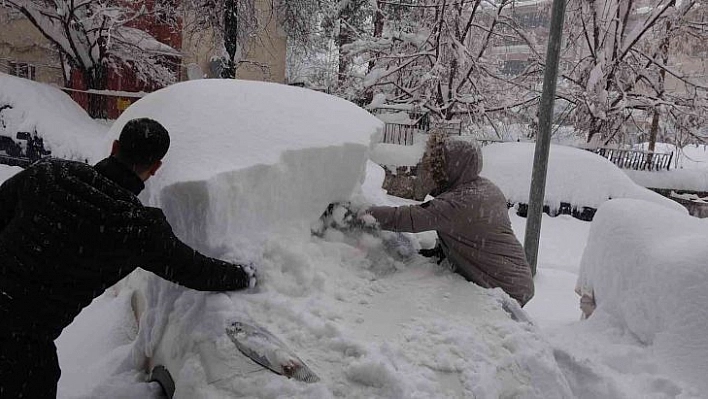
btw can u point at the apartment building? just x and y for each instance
(25, 52)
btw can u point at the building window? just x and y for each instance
(22, 70)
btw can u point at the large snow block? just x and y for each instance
(648, 267)
(248, 158)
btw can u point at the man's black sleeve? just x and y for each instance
(173, 260)
(9, 196)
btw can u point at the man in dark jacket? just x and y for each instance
(67, 232)
(470, 216)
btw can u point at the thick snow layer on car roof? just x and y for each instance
(248, 157)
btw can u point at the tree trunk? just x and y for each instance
(378, 26)
(343, 39)
(230, 39)
(653, 133)
(96, 79)
(378, 30)
(664, 47)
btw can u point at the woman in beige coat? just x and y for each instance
(470, 216)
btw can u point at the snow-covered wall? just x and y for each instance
(648, 267)
(250, 157)
(66, 128)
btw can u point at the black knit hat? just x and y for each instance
(143, 141)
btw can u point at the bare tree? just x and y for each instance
(94, 36)
(618, 62)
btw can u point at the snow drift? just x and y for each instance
(647, 266)
(66, 128)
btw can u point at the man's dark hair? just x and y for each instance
(143, 142)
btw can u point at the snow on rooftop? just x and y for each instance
(65, 127)
(248, 157)
(647, 266)
(575, 176)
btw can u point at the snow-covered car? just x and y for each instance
(576, 178)
(646, 267)
(36, 109)
(251, 168)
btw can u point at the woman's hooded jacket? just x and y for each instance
(471, 218)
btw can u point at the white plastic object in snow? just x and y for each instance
(267, 350)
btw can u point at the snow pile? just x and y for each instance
(575, 176)
(65, 127)
(647, 267)
(247, 158)
(95, 352)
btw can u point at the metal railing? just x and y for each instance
(635, 159)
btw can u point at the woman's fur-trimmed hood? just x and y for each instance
(449, 163)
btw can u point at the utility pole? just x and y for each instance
(543, 138)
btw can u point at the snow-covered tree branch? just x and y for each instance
(94, 35)
(631, 60)
(443, 56)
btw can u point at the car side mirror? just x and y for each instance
(23, 136)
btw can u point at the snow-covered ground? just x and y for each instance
(368, 324)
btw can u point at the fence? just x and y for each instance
(635, 159)
(449, 127)
(397, 133)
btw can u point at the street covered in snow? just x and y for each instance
(247, 182)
